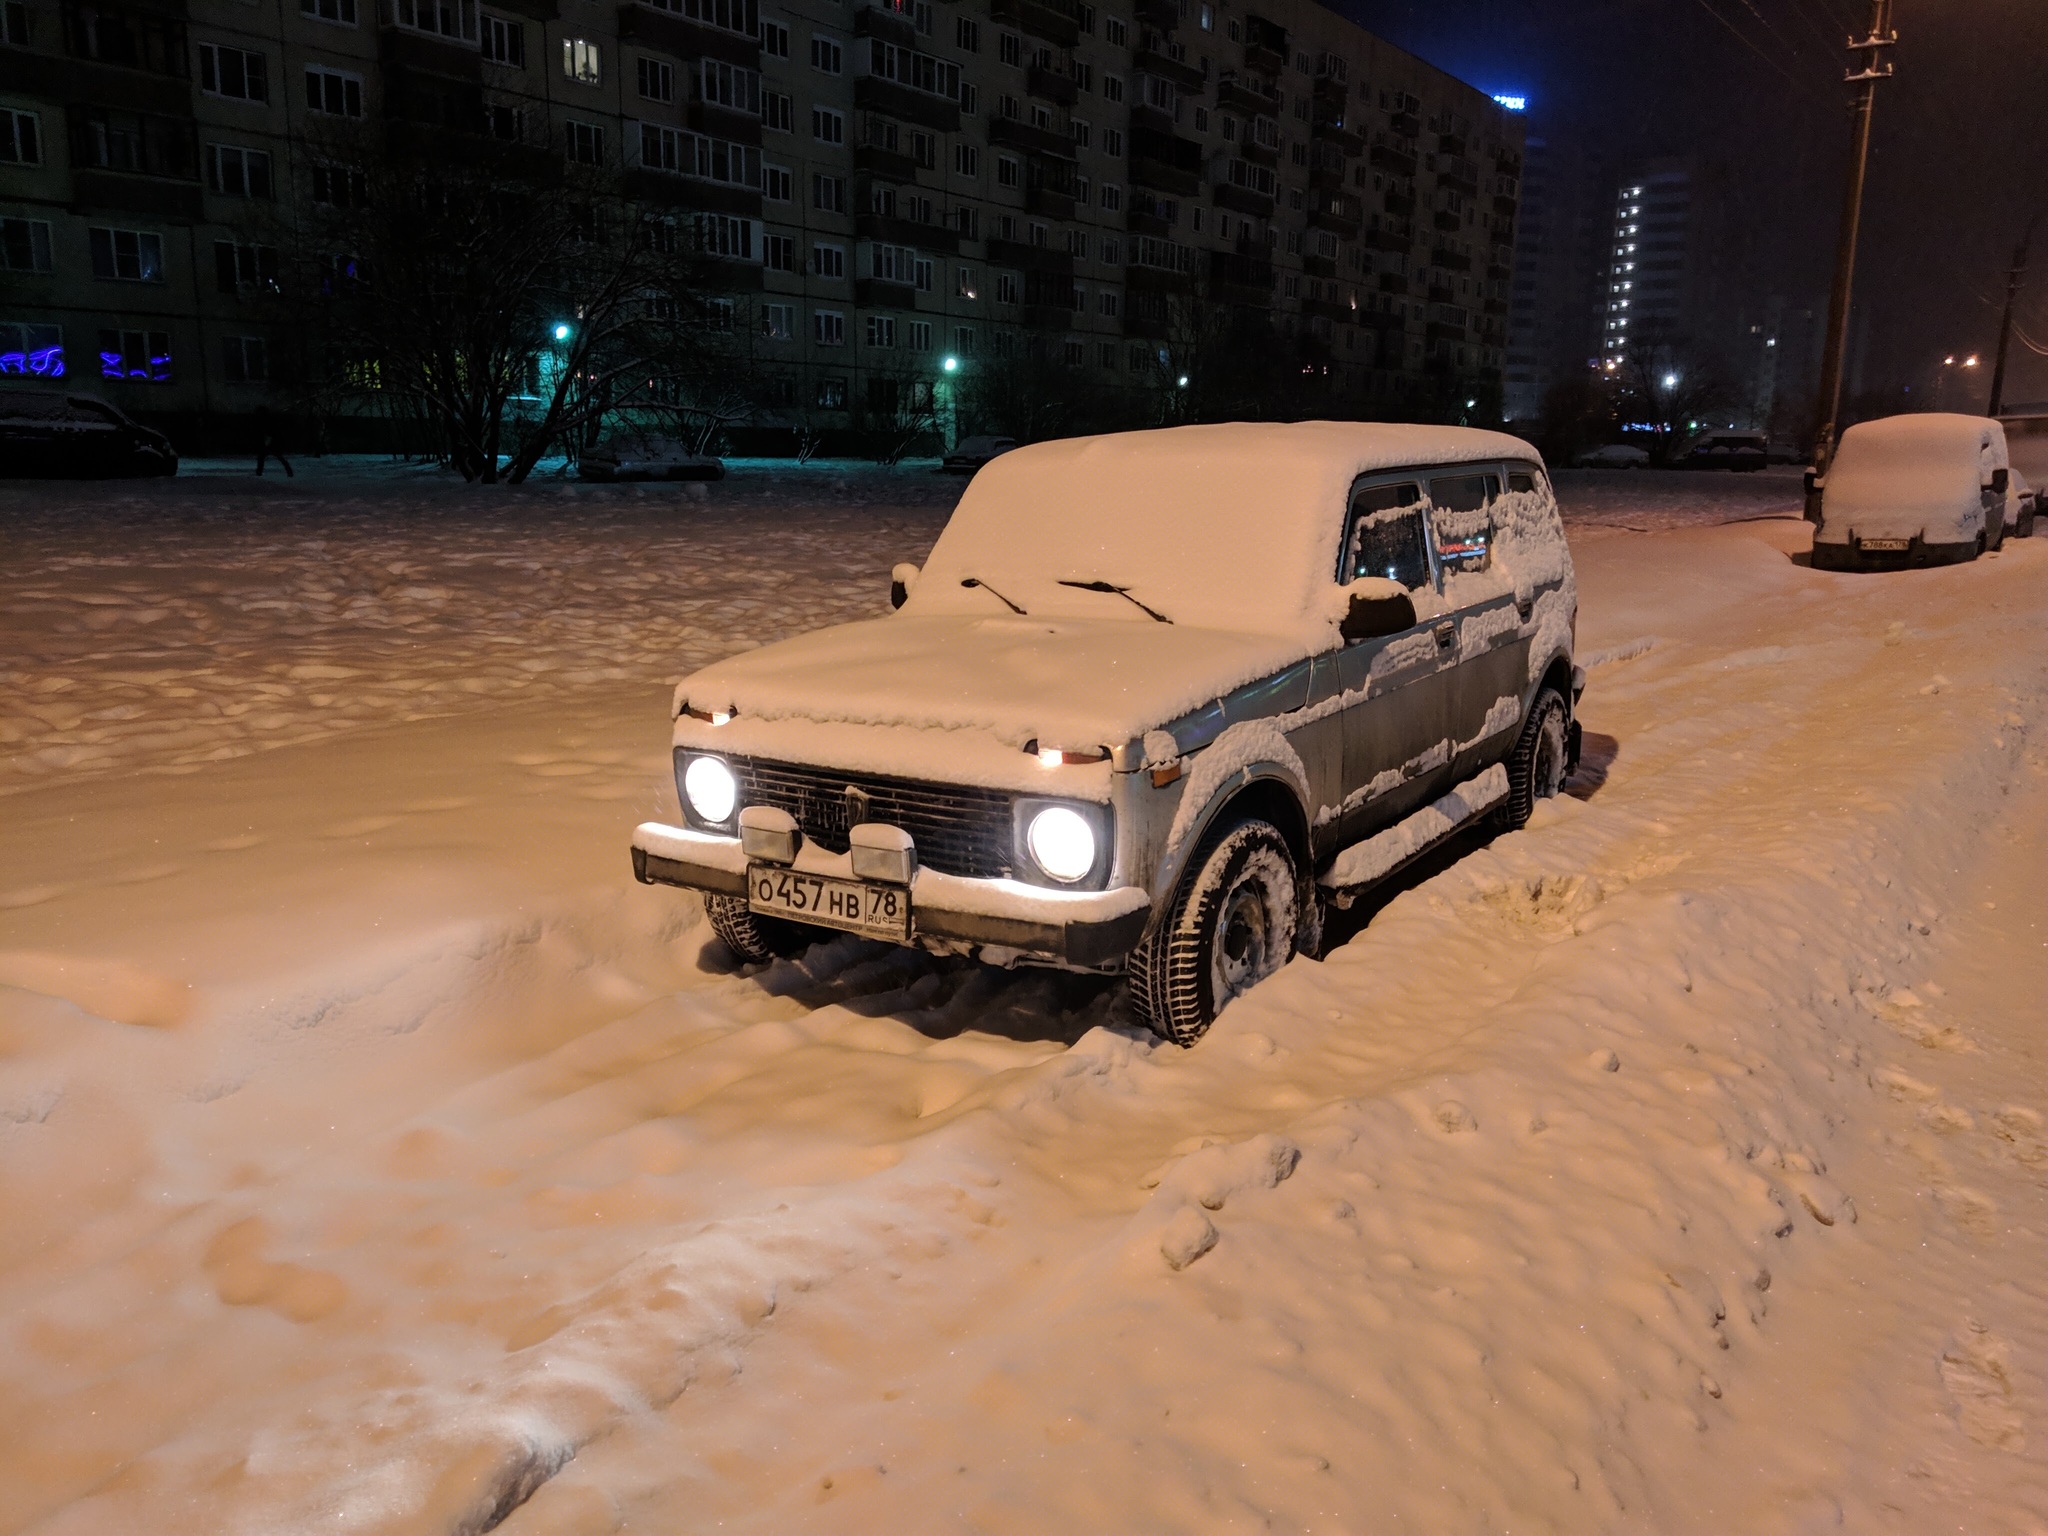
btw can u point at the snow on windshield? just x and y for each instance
(1224, 527)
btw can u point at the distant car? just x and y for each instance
(970, 453)
(1727, 450)
(46, 435)
(648, 458)
(1115, 726)
(1614, 456)
(2022, 506)
(1905, 491)
(2026, 445)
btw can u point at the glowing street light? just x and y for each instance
(951, 365)
(1671, 381)
(562, 332)
(1183, 381)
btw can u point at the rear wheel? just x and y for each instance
(1233, 922)
(1537, 766)
(754, 937)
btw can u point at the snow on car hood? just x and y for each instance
(958, 697)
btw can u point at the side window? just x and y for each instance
(1461, 506)
(1386, 537)
(1521, 480)
(1464, 493)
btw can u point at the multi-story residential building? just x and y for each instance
(1559, 299)
(890, 184)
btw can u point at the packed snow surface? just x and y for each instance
(378, 1158)
(1905, 476)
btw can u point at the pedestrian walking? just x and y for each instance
(266, 442)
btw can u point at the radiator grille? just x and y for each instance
(958, 829)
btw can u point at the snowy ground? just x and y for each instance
(377, 1156)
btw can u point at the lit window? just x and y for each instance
(580, 61)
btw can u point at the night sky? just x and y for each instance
(1959, 164)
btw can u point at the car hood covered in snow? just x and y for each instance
(959, 697)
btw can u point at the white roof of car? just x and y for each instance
(1224, 527)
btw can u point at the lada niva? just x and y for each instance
(1907, 491)
(1153, 704)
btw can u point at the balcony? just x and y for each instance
(887, 23)
(1048, 317)
(1165, 162)
(1335, 133)
(666, 32)
(1052, 20)
(1260, 154)
(1015, 133)
(1386, 157)
(1401, 203)
(1342, 311)
(1144, 221)
(1236, 95)
(1341, 214)
(1049, 85)
(1504, 206)
(1318, 266)
(891, 230)
(1450, 261)
(1029, 258)
(885, 163)
(938, 113)
(1186, 76)
(724, 123)
(403, 48)
(1439, 331)
(1264, 59)
(123, 192)
(1048, 201)
(1162, 14)
(646, 186)
(1445, 219)
(1242, 200)
(1326, 175)
(1235, 277)
(1406, 124)
(879, 293)
(1331, 92)
(1386, 239)
(1393, 282)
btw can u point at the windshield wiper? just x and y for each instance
(1122, 592)
(976, 581)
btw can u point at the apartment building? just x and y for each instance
(888, 186)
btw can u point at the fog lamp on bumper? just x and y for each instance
(882, 852)
(768, 834)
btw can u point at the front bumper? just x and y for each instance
(1089, 930)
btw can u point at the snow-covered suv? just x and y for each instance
(1153, 702)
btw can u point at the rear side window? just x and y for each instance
(1464, 493)
(1520, 480)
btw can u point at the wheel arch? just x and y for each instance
(1269, 791)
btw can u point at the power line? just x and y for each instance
(1771, 27)
(1748, 42)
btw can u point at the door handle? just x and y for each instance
(1446, 634)
(1524, 606)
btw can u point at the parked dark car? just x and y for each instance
(648, 458)
(970, 453)
(1727, 450)
(51, 436)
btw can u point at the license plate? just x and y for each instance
(856, 906)
(1887, 543)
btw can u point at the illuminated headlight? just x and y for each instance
(711, 789)
(1062, 843)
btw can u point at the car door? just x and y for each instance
(1490, 663)
(1395, 715)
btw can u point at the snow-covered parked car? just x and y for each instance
(970, 453)
(1926, 489)
(1613, 456)
(2022, 502)
(1741, 451)
(648, 458)
(1154, 702)
(48, 435)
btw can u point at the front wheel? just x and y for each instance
(1537, 766)
(755, 937)
(1232, 923)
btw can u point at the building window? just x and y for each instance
(341, 12)
(827, 126)
(1113, 142)
(1112, 251)
(244, 268)
(236, 172)
(967, 35)
(1108, 304)
(778, 185)
(775, 111)
(921, 274)
(778, 253)
(127, 255)
(924, 150)
(966, 160)
(831, 395)
(920, 335)
(828, 193)
(963, 340)
(1009, 172)
(683, 153)
(503, 42)
(1006, 288)
(1112, 199)
(970, 99)
(1081, 132)
(775, 39)
(726, 237)
(826, 56)
(232, 72)
(828, 260)
(14, 23)
(1010, 49)
(1201, 119)
(1112, 88)
(21, 137)
(584, 141)
(338, 186)
(244, 359)
(580, 61)
(142, 357)
(1114, 32)
(334, 93)
(24, 245)
(1084, 76)
(881, 330)
(34, 350)
(657, 80)
(964, 285)
(729, 86)
(778, 321)
(828, 329)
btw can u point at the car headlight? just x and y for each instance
(1062, 843)
(711, 788)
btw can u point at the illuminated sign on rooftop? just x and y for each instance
(1514, 103)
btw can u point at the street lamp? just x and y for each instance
(951, 365)
(1671, 381)
(562, 332)
(1182, 381)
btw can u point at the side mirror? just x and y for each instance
(1812, 482)
(901, 579)
(1378, 607)
(2000, 480)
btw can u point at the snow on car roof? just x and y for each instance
(1933, 461)
(1224, 527)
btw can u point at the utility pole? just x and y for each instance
(1868, 53)
(2014, 279)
